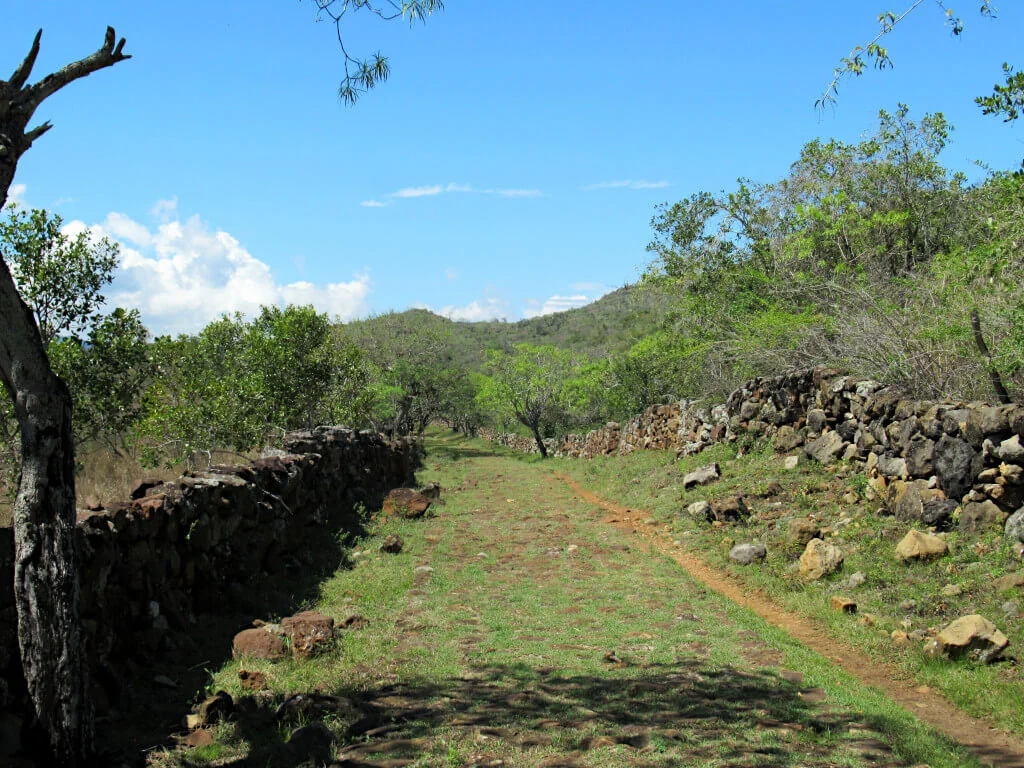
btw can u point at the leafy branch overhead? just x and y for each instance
(362, 74)
(873, 53)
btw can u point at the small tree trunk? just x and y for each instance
(45, 571)
(993, 374)
(540, 441)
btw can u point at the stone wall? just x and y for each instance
(924, 460)
(150, 565)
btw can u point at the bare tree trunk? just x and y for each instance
(540, 441)
(993, 374)
(45, 570)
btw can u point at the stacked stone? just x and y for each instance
(149, 565)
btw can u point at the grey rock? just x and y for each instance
(891, 466)
(745, 554)
(919, 455)
(701, 510)
(826, 448)
(984, 421)
(1011, 450)
(956, 464)
(787, 438)
(702, 476)
(816, 420)
(978, 517)
(1015, 526)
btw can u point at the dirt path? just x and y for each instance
(988, 744)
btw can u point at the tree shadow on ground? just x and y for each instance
(653, 716)
(148, 710)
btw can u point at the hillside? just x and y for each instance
(609, 325)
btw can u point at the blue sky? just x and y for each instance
(510, 166)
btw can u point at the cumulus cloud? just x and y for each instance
(481, 309)
(16, 194)
(626, 184)
(184, 274)
(165, 210)
(435, 189)
(374, 204)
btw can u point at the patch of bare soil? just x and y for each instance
(985, 742)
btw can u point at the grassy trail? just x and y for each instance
(518, 628)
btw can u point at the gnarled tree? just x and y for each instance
(46, 577)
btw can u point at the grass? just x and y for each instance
(897, 596)
(544, 637)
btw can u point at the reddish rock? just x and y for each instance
(310, 632)
(252, 680)
(258, 644)
(406, 502)
(392, 544)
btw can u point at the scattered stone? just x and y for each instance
(1013, 473)
(826, 448)
(972, 637)
(979, 517)
(215, 708)
(701, 510)
(258, 643)
(200, 738)
(1010, 608)
(1009, 582)
(900, 638)
(424, 569)
(745, 554)
(772, 490)
(800, 531)
(310, 633)
(920, 546)
(432, 491)
(820, 559)
(908, 606)
(952, 590)
(855, 580)
(816, 420)
(392, 544)
(406, 502)
(791, 462)
(842, 604)
(731, 510)
(956, 465)
(702, 476)
(354, 621)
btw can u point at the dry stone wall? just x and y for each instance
(150, 565)
(937, 463)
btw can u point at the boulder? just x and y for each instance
(310, 633)
(1015, 526)
(432, 491)
(791, 462)
(816, 420)
(842, 604)
(891, 466)
(972, 637)
(919, 456)
(956, 465)
(745, 554)
(392, 544)
(702, 476)
(800, 531)
(820, 559)
(984, 421)
(731, 510)
(786, 439)
(406, 502)
(701, 510)
(258, 644)
(920, 546)
(214, 709)
(978, 517)
(1011, 450)
(826, 448)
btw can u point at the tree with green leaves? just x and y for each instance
(50, 634)
(530, 384)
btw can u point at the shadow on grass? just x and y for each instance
(147, 711)
(656, 714)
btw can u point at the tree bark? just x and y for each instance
(993, 375)
(540, 441)
(46, 586)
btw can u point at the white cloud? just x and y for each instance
(432, 190)
(626, 184)
(184, 274)
(555, 304)
(435, 189)
(165, 210)
(451, 274)
(481, 309)
(16, 194)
